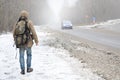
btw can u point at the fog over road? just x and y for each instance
(102, 38)
(105, 37)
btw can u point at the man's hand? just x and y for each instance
(37, 44)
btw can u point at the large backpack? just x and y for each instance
(22, 33)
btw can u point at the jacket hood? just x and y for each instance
(24, 13)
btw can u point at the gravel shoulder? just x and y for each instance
(104, 61)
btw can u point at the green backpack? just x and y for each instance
(22, 33)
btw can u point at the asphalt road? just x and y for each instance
(105, 38)
(102, 38)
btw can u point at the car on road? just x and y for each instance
(66, 24)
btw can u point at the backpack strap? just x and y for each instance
(26, 27)
(27, 31)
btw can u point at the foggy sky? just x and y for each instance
(80, 12)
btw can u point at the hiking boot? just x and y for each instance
(22, 72)
(29, 70)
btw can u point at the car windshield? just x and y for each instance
(66, 22)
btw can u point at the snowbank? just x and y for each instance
(49, 63)
(113, 25)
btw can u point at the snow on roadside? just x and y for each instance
(49, 63)
(109, 25)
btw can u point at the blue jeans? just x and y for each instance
(21, 57)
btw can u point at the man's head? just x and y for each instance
(24, 15)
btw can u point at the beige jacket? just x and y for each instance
(32, 30)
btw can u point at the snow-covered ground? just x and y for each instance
(48, 63)
(113, 25)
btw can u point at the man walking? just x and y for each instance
(24, 34)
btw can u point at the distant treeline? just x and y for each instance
(9, 12)
(84, 12)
